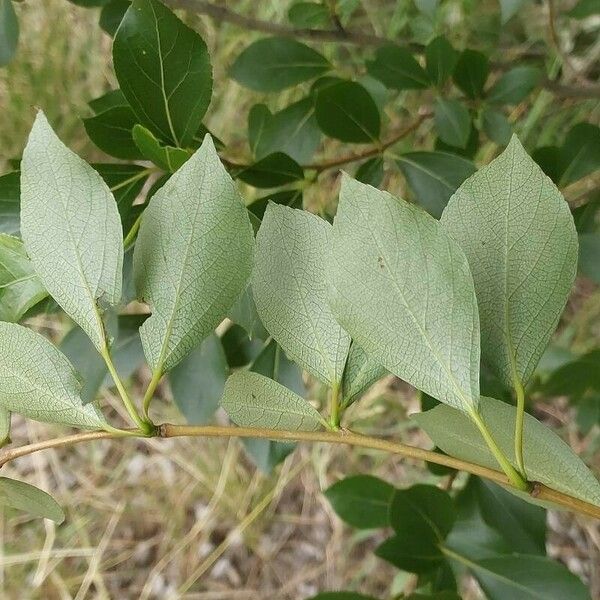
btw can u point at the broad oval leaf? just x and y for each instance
(111, 129)
(192, 258)
(164, 71)
(253, 400)
(471, 72)
(30, 499)
(441, 59)
(39, 382)
(453, 122)
(10, 203)
(547, 458)
(519, 237)
(397, 69)
(290, 291)
(71, 229)
(271, 171)
(514, 85)
(402, 289)
(275, 63)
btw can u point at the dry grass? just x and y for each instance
(192, 518)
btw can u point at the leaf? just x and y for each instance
(580, 154)
(521, 577)
(519, 237)
(164, 71)
(192, 258)
(453, 122)
(111, 129)
(112, 14)
(397, 69)
(434, 177)
(272, 171)
(38, 382)
(509, 8)
(20, 287)
(108, 100)
(347, 112)
(292, 130)
(252, 400)
(71, 229)
(5, 418)
(10, 204)
(240, 348)
(398, 281)
(362, 501)
(166, 157)
(289, 286)
(514, 85)
(244, 313)
(576, 377)
(308, 15)
(9, 32)
(471, 72)
(275, 63)
(584, 9)
(441, 59)
(29, 499)
(589, 255)
(197, 382)
(360, 373)
(371, 171)
(291, 198)
(547, 458)
(496, 126)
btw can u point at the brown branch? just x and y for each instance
(168, 430)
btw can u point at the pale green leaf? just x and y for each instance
(71, 229)
(253, 400)
(4, 427)
(192, 258)
(360, 373)
(39, 382)
(290, 291)
(402, 289)
(519, 237)
(28, 498)
(547, 458)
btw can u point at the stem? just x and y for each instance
(515, 478)
(167, 430)
(519, 422)
(133, 178)
(144, 426)
(334, 407)
(130, 237)
(156, 375)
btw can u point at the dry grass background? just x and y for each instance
(193, 518)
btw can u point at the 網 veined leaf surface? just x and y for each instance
(192, 258)
(71, 229)
(290, 291)
(547, 458)
(401, 287)
(360, 373)
(164, 71)
(253, 400)
(28, 498)
(20, 287)
(519, 237)
(39, 382)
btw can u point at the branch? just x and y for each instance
(167, 430)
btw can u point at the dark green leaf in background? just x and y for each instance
(514, 85)
(580, 153)
(240, 349)
(584, 9)
(111, 132)
(10, 203)
(589, 255)
(112, 14)
(453, 122)
(108, 100)
(271, 171)
(441, 59)
(9, 32)
(471, 72)
(496, 126)
(308, 14)
(291, 198)
(371, 171)
(576, 377)
(397, 69)
(275, 63)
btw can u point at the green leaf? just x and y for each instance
(112, 14)
(471, 72)
(289, 286)
(240, 348)
(38, 382)
(371, 171)
(272, 171)
(398, 281)
(347, 112)
(20, 287)
(362, 501)
(397, 69)
(584, 9)
(308, 15)
(509, 8)
(514, 85)
(5, 417)
(580, 153)
(111, 132)
(576, 377)
(197, 382)
(292, 130)
(164, 71)
(547, 458)
(441, 59)
(244, 313)
(360, 373)
(29, 499)
(9, 32)
(434, 176)
(496, 126)
(71, 229)
(521, 577)
(589, 255)
(252, 400)
(291, 198)
(275, 63)
(10, 203)
(523, 276)
(192, 257)
(453, 122)
(108, 100)
(166, 157)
